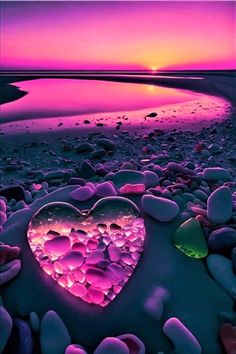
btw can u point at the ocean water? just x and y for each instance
(68, 101)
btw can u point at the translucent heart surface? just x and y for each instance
(91, 253)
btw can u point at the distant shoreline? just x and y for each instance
(221, 84)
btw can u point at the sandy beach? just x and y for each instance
(63, 159)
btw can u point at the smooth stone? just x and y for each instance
(123, 177)
(77, 181)
(9, 270)
(134, 344)
(20, 341)
(132, 189)
(54, 336)
(98, 278)
(58, 245)
(86, 170)
(183, 340)
(151, 115)
(72, 260)
(214, 149)
(3, 207)
(114, 253)
(154, 305)
(82, 193)
(151, 179)
(95, 257)
(3, 218)
(84, 147)
(95, 295)
(75, 349)
(189, 239)
(127, 166)
(175, 167)
(159, 208)
(28, 197)
(97, 153)
(228, 338)
(220, 205)
(34, 321)
(105, 189)
(107, 144)
(200, 195)
(8, 253)
(5, 327)
(112, 345)
(216, 173)
(222, 239)
(221, 270)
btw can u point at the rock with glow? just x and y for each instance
(112, 345)
(189, 239)
(91, 254)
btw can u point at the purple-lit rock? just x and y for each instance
(75, 349)
(105, 189)
(5, 327)
(183, 340)
(97, 251)
(81, 194)
(112, 345)
(9, 270)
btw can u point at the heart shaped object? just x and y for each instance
(92, 253)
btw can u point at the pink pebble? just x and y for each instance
(82, 193)
(115, 273)
(92, 244)
(78, 290)
(75, 349)
(72, 260)
(3, 206)
(62, 281)
(114, 253)
(126, 257)
(79, 276)
(132, 189)
(58, 267)
(36, 186)
(95, 257)
(95, 295)
(58, 246)
(79, 246)
(48, 268)
(98, 278)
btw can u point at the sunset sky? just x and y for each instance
(118, 35)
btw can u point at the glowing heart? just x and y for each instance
(91, 253)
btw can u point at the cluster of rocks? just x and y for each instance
(94, 264)
(176, 177)
(17, 335)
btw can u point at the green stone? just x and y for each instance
(189, 239)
